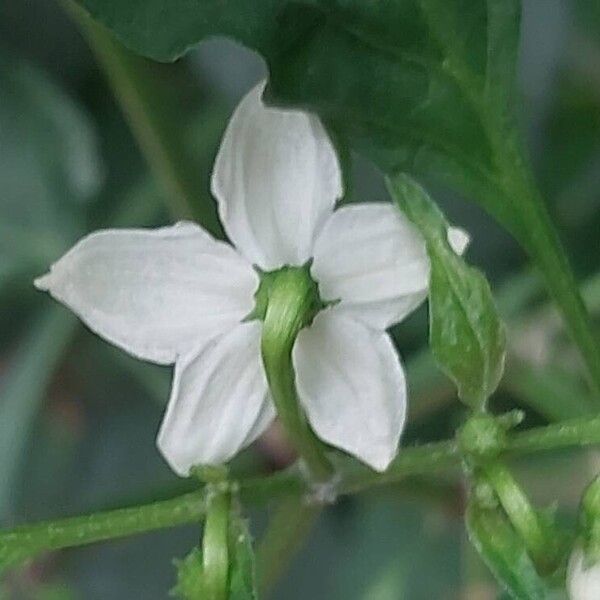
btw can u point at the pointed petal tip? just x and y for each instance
(178, 468)
(42, 283)
(458, 239)
(380, 462)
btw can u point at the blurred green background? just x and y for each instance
(78, 418)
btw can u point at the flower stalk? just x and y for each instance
(482, 440)
(291, 305)
(215, 544)
(539, 539)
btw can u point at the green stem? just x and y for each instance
(411, 461)
(290, 303)
(26, 541)
(215, 545)
(580, 432)
(23, 542)
(521, 513)
(154, 115)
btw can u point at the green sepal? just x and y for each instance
(242, 575)
(190, 577)
(299, 281)
(193, 582)
(467, 336)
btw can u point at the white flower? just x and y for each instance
(583, 581)
(176, 295)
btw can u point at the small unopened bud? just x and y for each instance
(481, 438)
(583, 578)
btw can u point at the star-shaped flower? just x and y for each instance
(176, 295)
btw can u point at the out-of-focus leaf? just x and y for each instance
(407, 75)
(56, 591)
(388, 585)
(22, 389)
(588, 17)
(49, 165)
(504, 553)
(572, 134)
(353, 546)
(554, 392)
(466, 334)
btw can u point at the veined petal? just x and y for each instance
(219, 401)
(352, 387)
(155, 293)
(276, 179)
(374, 260)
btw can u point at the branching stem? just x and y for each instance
(25, 542)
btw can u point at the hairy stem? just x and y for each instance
(26, 541)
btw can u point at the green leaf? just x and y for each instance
(23, 388)
(49, 166)
(467, 336)
(504, 553)
(422, 86)
(242, 575)
(395, 94)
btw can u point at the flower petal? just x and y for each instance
(155, 293)
(374, 260)
(583, 581)
(219, 401)
(458, 239)
(276, 179)
(351, 384)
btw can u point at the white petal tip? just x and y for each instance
(381, 463)
(179, 468)
(43, 283)
(458, 239)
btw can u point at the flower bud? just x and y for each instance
(583, 578)
(481, 438)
